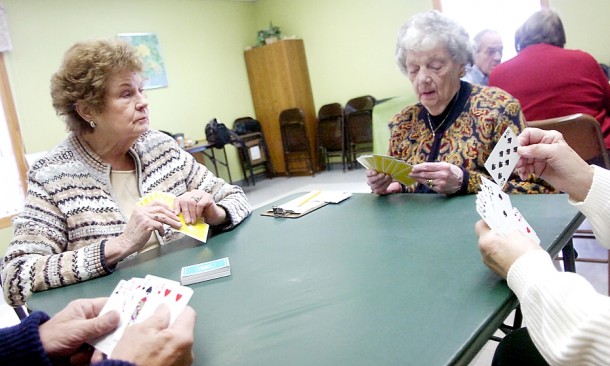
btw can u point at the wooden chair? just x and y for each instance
(582, 132)
(295, 141)
(359, 126)
(252, 149)
(331, 137)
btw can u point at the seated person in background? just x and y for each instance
(38, 340)
(80, 217)
(450, 133)
(551, 81)
(567, 319)
(487, 55)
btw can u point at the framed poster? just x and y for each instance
(147, 47)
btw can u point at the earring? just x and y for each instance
(92, 124)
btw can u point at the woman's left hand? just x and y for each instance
(196, 204)
(443, 178)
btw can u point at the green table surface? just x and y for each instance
(394, 280)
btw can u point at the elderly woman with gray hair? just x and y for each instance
(450, 133)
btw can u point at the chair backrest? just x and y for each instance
(294, 133)
(359, 119)
(245, 125)
(582, 132)
(330, 127)
(363, 103)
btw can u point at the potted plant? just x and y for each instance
(270, 35)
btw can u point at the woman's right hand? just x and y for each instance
(381, 183)
(144, 220)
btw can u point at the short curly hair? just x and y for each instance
(84, 74)
(426, 30)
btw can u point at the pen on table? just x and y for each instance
(309, 198)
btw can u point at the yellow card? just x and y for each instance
(198, 230)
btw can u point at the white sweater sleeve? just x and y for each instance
(567, 319)
(596, 206)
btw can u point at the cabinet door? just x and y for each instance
(279, 79)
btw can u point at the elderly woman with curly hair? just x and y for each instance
(450, 133)
(81, 218)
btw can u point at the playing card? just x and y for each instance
(524, 226)
(503, 158)
(136, 300)
(198, 230)
(163, 291)
(500, 205)
(398, 169)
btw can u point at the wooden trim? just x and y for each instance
(13, 130)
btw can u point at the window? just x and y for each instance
(12, 158)
(503, 16)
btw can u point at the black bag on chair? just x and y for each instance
(218, 134)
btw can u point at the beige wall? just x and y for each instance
(349, 46)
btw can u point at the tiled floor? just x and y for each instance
(268, 190)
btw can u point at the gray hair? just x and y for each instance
(543, 26)
(476, 41)
(426, 30)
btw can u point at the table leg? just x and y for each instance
(569, 257)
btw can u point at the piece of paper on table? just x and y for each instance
(314, 199)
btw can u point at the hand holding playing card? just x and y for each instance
(157, 342)
(136, 300)
(499, 252)
(199, 230)
(492, 204)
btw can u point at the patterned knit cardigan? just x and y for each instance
(71, 209)
(475, 124)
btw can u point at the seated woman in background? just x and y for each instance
(80, 217)
(550, 81)
(450, 133)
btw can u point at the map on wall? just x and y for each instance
(147, 47)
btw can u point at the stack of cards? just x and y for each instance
(398, 169)
(205, 271)
(493, 204)
(136, 300)
(198, 230)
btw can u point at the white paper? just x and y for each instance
(255, 153)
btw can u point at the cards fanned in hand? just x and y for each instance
(136, 300)
(205, 271)
(398, 169)
(494, 205)
(198, 230)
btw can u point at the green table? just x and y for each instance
(395, 280)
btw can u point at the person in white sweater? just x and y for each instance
(567, 320)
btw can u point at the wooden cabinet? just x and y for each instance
(279, 79)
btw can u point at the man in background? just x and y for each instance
(487, 55)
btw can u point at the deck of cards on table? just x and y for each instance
(492, 203)
(198, 230)
(205, 271)
(136, 300)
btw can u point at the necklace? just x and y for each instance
(453, 102)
